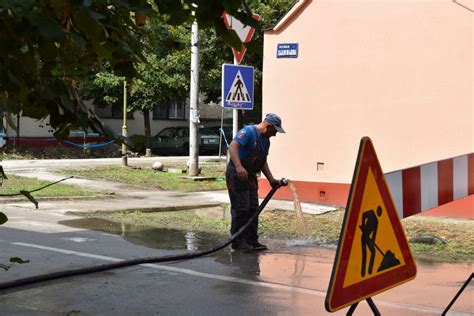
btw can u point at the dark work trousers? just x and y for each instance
(243, 204)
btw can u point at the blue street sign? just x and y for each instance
(289, 50)
(237, 87)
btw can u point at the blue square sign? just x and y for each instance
(237, 87)
(287, 50)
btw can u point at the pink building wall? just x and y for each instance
(400, 72)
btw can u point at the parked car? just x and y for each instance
(175, 141)
(227, 133)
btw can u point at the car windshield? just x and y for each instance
(183, 132)
(206, 132)
(166, 133)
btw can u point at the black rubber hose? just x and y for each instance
(132, 262)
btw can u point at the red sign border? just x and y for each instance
(239, 55)
(337, 296)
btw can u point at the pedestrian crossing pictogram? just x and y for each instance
(373, 254)
(238, 91)
(237, 87)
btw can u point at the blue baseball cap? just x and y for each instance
(275, 120)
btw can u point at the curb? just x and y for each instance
(145, 210)
(6, 200)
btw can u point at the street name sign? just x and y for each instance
(237, 87)
(288, 50)
(373, 254)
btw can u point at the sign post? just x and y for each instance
(235, 112)
(245, 33)
(373, 254)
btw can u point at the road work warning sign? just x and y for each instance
(373, 253)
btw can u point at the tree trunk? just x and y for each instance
(146, 117)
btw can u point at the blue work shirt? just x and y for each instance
(247, 138)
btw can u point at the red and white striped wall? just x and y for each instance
(421, 188)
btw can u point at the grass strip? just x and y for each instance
(146, 178)
(14, 184)
(324, 229)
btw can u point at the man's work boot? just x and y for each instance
(241, 246)
(258, 246)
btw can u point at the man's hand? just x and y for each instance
(234, 156)
(274, 182)
(241, 173)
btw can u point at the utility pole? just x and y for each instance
(124, 127)
(194, 104)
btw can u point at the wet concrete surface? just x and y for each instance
(148, 236)
(289, 266)
(287, 280)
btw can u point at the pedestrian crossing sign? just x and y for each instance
(373, 254)
(237, 87)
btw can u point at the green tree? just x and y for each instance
(165, 74)
(54, 45)
(105, 88)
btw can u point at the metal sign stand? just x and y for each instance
(220, 133)
(235, 114)
(371, 304)
(458, 294)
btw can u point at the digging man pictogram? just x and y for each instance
(369, 232)
(369, 228)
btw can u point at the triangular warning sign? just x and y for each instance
(244, 32)
(373, 253)
(238, 91)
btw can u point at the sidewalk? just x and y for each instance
(126, 198)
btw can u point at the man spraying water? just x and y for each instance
(248, 156)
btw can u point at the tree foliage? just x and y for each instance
(106, 85)
(165, 76)
(49, 47)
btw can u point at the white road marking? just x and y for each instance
(411, 307)
(69, 252)
(78, 239)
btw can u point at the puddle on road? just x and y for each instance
(148, 236)
(296, 263)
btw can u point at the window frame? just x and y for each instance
(170, 111)
(111, 112)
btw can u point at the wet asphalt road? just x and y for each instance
(284, 281)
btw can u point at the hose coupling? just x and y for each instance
(284, 182)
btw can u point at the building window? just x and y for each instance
(111, 111)
(160, 111)
(173, 111)
(177, 110)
